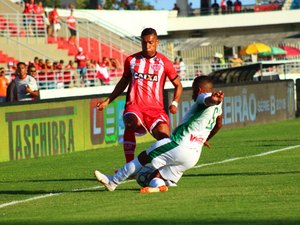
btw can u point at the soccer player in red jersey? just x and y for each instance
(145, 74)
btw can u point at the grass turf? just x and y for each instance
(259, 190)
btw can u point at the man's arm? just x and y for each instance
(177, 94)
(34, 94)
(215, 99)
(120, 87)
(215, 130)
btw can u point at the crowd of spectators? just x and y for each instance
(34, 18)
(50, 74)
(123, 5)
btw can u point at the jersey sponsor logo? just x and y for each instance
(148, 77)
(198, 139)
(156, 67)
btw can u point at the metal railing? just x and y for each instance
(56, 79)
(23, 25)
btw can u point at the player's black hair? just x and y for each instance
(196, 83)
(148, 31)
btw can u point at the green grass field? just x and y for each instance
(248, 190)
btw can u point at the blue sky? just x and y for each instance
(168, 4)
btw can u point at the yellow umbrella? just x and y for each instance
(255, 48)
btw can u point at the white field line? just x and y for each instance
(198, 166)
(248, 157)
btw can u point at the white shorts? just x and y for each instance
(171, 159)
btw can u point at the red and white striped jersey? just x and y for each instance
(71, 21)
(148, 77)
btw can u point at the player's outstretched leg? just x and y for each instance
(105, 180)
(123, 173)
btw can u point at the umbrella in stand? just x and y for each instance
(290, 51)
(274, 51)
(255, 48)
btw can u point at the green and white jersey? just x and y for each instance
(197, 123)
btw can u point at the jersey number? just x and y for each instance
(212, 121)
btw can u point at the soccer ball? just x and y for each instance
(142, 176)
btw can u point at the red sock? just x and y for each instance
(129, 145)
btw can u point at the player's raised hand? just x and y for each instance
(217, 97)
(102, 104)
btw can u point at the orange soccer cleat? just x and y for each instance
(154, 190)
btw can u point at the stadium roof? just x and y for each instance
(241, 74)
(239, 40)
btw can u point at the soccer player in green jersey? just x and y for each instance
(170, 157)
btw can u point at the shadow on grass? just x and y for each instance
(165, 222)
(46, 192)
(50, 180)
(242, 174)
(274, 142)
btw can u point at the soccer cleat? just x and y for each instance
(170, 183)
(154, 190)
(102, 178)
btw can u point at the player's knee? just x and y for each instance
(143, 158)
(130, 122)
(161, 131)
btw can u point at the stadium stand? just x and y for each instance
(196, 39)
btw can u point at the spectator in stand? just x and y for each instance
(182, 69)
(54, 21)
(80, 59)
(55, 65)
(218, 62)
(23, 87)
(223, 6)
(71, 21)
(60, 65)
(215, 7)
(237, 6)
(90, 74)
(69, 71)
(47, 22)
(3, 85)
(125, 4)
(48, 65)
(31, 70)
(71, 6)
(229, 5)
(103, 71)
(28, 17)
(176, 7)
(236, 61)
(36, 63)
(39, 19)
(11, 67)
(190, 9)
(115, 66)
(176, 65)
(42, 65)
(70, 65)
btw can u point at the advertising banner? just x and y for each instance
(32, 130)
(48, 128)
(248, 104)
